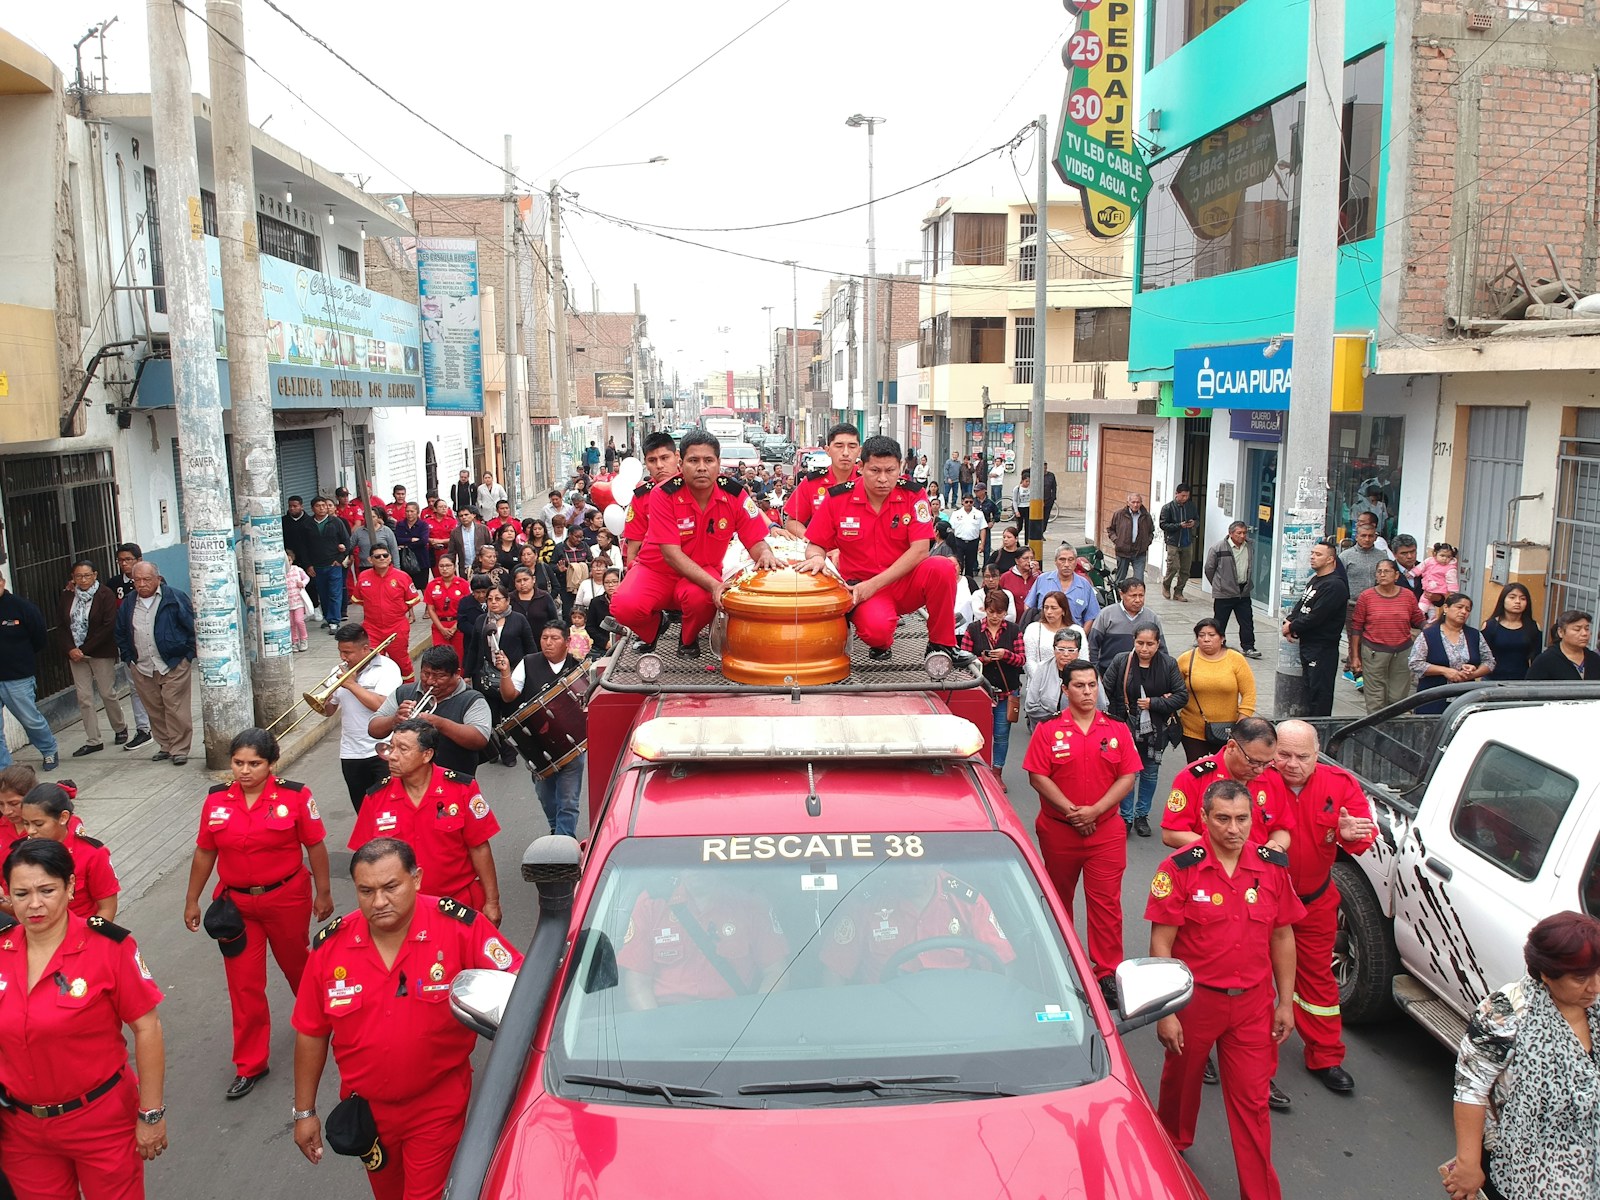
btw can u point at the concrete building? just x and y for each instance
(841, 351)
(792, 351)
(613, 399)
(976, 350)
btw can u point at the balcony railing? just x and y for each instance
(1091, 373)
(1073, 266)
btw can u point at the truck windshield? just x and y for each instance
(820, 969)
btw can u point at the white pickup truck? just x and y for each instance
(1489, 821)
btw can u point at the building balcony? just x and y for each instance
(1073, 266)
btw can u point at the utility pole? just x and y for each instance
(516, 412)
(262, 568)
(636, 435)
(874, 403)
(202, 458)
(558, 285)
(794, 351)
(1302, 501)
(1041, 315)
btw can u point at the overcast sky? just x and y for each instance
(757, 134)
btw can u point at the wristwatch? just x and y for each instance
(153, 1116)
(300, 1114)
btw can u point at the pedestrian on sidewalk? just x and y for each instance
(966, 528)
(361, 694)
(1112, 631)
(127, 554)
(1145, 691)
(1178, 520)
(1315, 622)
(1049, 497)
(463, 493)
(952, 479)
(990, 508)
(1131, 532)
(1221, 687)
(1383, 625)
(86, 620)
(155, 637)
(327, 549)
(22, 636)
(964, 474)
(299, 529)
(47, 812)
(1071, 578)
(489, 494)
(258, 833)
(1227, 570)
(442, 598)
(368, 538)
(411, 535)
(1360, 564)
(1021, 505)
(299, 604)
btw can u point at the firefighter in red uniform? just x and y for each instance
(441, 523)
(397, 510)
(47, 812)
(1331, 814)
(387, 596)
(693, 518)
(1225, 907)
(705, 940)
(252, 831)
(77, 1120)
(907, 903)
(348, 509)
(1247, 757)
(661, 463)
(440, 814)
(1082, 764)
(378, 987)
(882, 527)
(443, 597)
(812, 487)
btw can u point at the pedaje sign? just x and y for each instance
(1095, 151)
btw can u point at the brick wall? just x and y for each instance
(598, 342)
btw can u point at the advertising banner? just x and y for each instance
(613, 385)
(452, 334)
(1095, 150)
(1246, 375)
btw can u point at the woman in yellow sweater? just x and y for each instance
(1221, 688)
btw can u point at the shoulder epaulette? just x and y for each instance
(1272, 855)
(730, 485)
(292, 784)
(452, 776)
(457, 911)
(815, 474)
(672, 485)
(960, 890)
(106, 929)
(377, 787)
(1203, 768)
(908, 484)
(89, 841)
(1192, 857)
(644, 488)
(326, 932)
(217, 787)
(842, 489)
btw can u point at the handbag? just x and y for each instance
(408, 560)
(1013, 707)
(1217, 733)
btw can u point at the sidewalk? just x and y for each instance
(146, 810)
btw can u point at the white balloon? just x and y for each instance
(616, 519)
(630, 473)
(622, 494)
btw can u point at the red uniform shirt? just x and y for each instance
(873, 929)
(1270, 811)
(452, 818)
(811, 490)
(1316, 815)
(439, 529)
(385, 599)
(869, 542)
(65, 1037)
(445, 598)
(493, 525)
(741, 930)
(1083, 765)
(352, 515)
(393, 1035)
(638, 517)
(94, 876)
(397, 511)
(259, 844)
(704, 534)
(1224, 922)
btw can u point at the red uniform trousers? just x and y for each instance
(89, 1150)
(419, 1138)
(1100, 860)
(280, 918)
(1316, 992)
(1241, 1029)
(648, 591)
(931, 584)
(399, 651)
(455, 642)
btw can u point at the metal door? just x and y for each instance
(1259, 511)
(1575, 539)
(297, 465)
(1494, 478)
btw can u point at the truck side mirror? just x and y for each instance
(478, 999)
(1149, 989)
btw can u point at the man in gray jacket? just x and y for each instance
(1112, 631)
(1227, 570)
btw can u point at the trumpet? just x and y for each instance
(316, 700)
(425, 704)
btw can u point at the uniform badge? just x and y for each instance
(479, 807)
(955, 926)
(78, 988)
(281, 811)
(144, 971)
(629, 517)
(1328, 837)
(340, 972)
(1177, 801)
(436, 972)
(496, 953)
(1217, 898)
(844, 932)
(453, 810)
(722, 523)
(750, 506)
(1161, 885)
(311, 808)
(1061, 735)
(1251, 895)
(924, 513)
(1261, 799)
(1112, 743)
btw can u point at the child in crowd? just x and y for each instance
(299, 605)
(1439, 577)
(578, 643)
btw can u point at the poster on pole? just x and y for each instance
(452, 333)
(1095, 151)
(213, 576)
(271, 586)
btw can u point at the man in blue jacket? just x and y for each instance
(22, 636)
(155, 637)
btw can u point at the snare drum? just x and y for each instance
(552, 729)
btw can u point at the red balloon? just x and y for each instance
(600, 494)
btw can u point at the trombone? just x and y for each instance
(316, 700)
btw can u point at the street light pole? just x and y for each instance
(794, 350)
(874, 404)
(772, 351)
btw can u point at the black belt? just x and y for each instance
(1226, 991)
(266, 887)
(1317, 895)
(56, 1110)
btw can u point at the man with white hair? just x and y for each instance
(1331, 814)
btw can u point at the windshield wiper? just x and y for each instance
(671, 1092)
(877, 1083)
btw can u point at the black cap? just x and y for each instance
(351, 1130)
(224, 922)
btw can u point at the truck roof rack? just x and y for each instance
(903, 671)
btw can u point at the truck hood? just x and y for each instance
(1097, 1141)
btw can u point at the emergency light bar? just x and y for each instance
(725, 739)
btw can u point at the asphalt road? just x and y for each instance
(1386, 1139)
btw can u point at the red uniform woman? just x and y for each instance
(47, 813)
(443, 597)
(77, 1118)
(251, 832)
(16, 781)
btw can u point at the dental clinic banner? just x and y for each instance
(452, 335)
